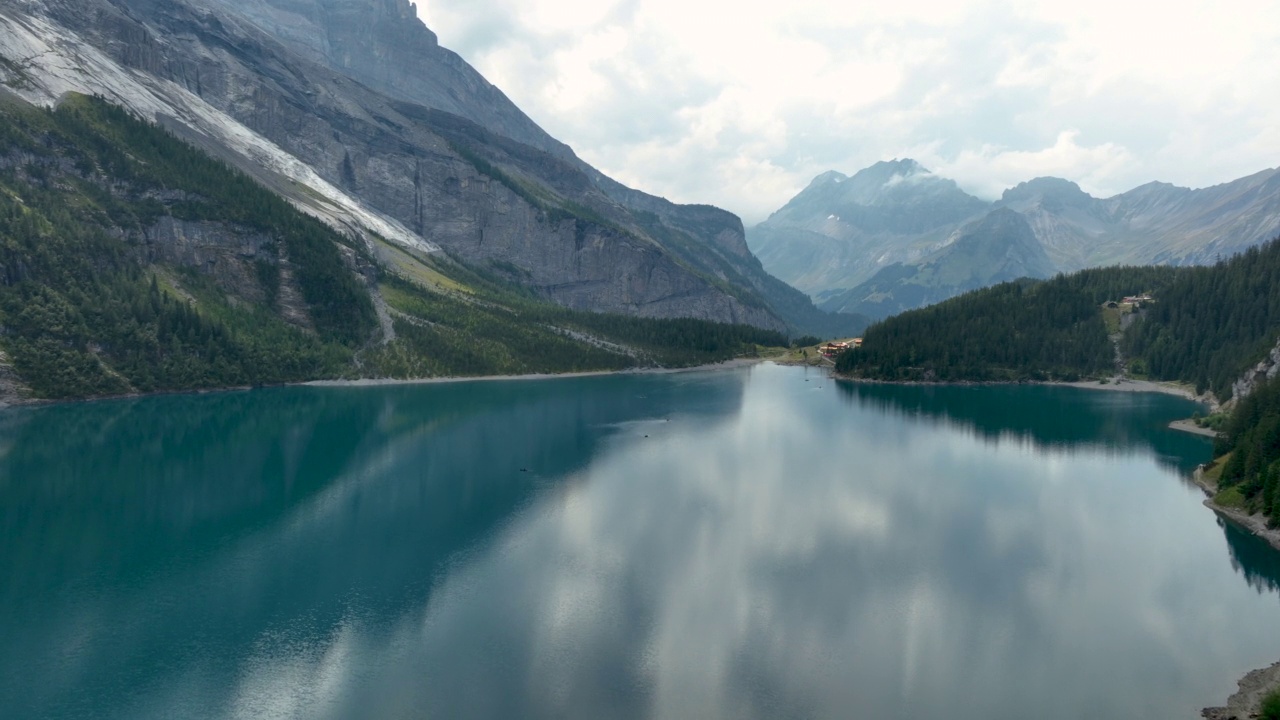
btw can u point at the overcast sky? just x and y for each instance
(739, 103)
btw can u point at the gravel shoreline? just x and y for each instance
(13, 400)
(378, 382)
(1247, 701)
(1128, 385)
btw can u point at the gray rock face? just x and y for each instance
(1051, 192)
(229, 255)
(385, 48)
(1170, 225)
(382, 44)
(223, 252)
(1266, 369)
(497, 194)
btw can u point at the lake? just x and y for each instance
(762, 542)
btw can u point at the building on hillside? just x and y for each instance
(832, 349)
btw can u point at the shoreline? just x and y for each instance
(1190, 426)
(1252, 688)
(1112, 385)
(380, 382)
(14, 402)
(1256, 684)
(1255, 524)
(1130, 385)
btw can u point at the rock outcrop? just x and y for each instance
(1247, 701)
(1266, 369)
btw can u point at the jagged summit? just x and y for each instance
(827, 178)
(839, 222)
(1055, 188)
(886, 170)
(384, 45)
(886, 184)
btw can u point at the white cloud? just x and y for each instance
(741, 102)
(989, 170)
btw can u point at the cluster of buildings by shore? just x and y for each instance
(834, 348)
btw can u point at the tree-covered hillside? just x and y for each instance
(133, 262)
(1205, 327)
(1211, 324)
(88, 310)
(1249, 450)
(1019, 330)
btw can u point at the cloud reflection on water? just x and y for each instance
(740, 545)
(787, 562)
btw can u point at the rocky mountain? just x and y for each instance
(130, 261)
(840, 230)
(838, 246)
(383, 45)
(999, 247)
(351, 110)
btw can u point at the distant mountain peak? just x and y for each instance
(867, 236)
(1160, 184)
(905, 165)
(827, 178)
(889, 172)
(1050, 187)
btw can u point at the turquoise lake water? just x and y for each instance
(754, 543)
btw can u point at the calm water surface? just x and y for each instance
(757, 543)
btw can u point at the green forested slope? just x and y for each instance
(1212, 323)
(1252, 439)
(95, 299)
(1013, 331)
(84, 311)
(1206, 326)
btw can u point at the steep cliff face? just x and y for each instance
(382, 44)
(1266, 369)
(495, 194)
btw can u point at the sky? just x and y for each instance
(740, 103)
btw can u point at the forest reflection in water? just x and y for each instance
(753, 543)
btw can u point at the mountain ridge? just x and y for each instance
(132, 262)
(378, 166)
(822, 248)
